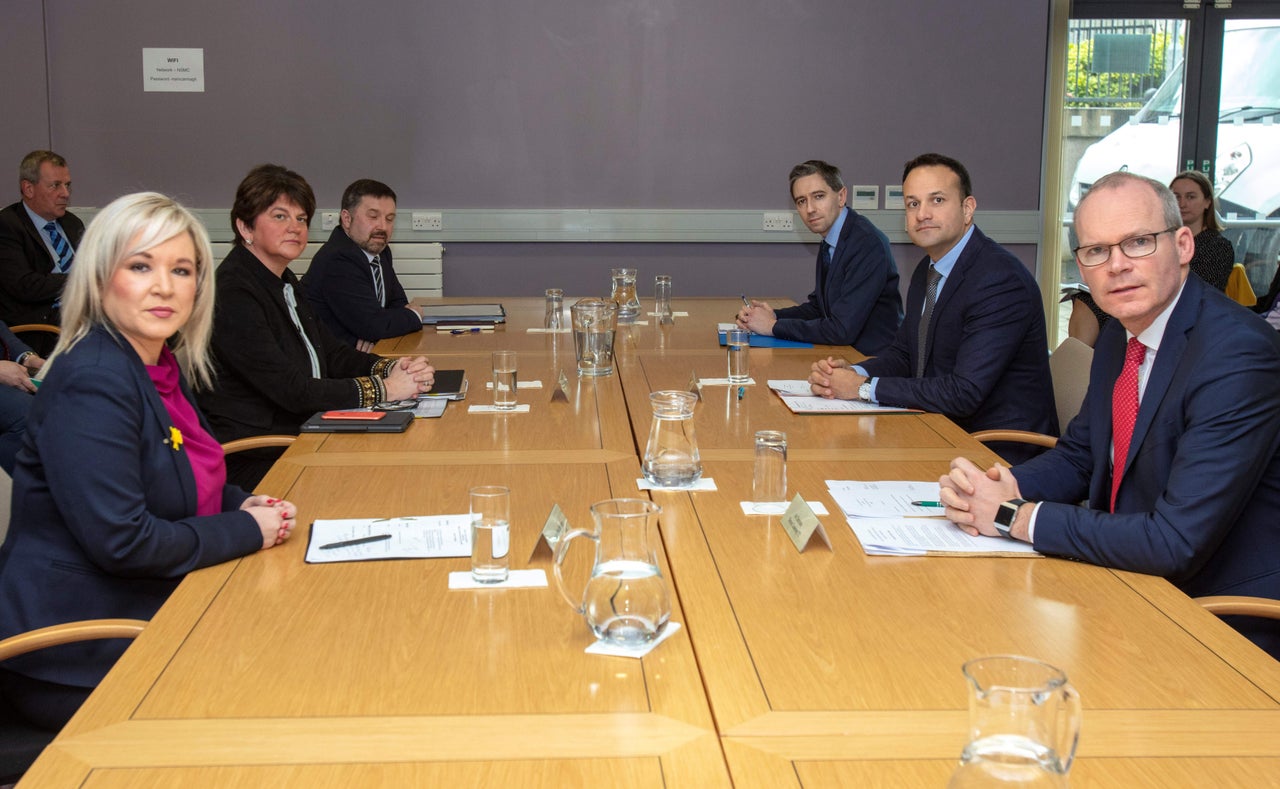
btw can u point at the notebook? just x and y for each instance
(445, 314)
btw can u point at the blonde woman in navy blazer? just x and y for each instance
(116, 492)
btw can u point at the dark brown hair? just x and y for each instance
(261, 187)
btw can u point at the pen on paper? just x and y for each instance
(358, 541)
(934, 504)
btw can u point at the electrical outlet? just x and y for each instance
(328, 220)
(427, 220)
(780, 222)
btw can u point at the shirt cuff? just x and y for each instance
(860, 370)
(1031, 525)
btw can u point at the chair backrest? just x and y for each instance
(21, 742)
(1069, 366)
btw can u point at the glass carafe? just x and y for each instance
(1024, 722)
(626, 601)
(671, 457)
(624, 292)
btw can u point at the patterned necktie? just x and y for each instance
(61, 247)
(292, 302)
(379, 289)
(930, 297)
(1124, 412)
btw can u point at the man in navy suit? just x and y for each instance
(855, 300)
(1177, 445)
(973, 344)
(351, 284)
(38, 239)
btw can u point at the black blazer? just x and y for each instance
(104, 506)
(28, 283)
(264, 383)
(858, 302)
(988, 359)
(339, 287)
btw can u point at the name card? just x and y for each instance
(553, 531)
(561, 390)
(801, 525)
(695, 384)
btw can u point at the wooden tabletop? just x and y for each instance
(821, 668)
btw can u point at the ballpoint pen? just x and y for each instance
(357, 541)
(935, 504)
(742, 390)
(472, 330)
(745, 303)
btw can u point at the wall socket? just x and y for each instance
(780, 222)
(328, 220)
(427, 220)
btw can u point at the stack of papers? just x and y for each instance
(891, 519)
(800, 399)
(366, 539)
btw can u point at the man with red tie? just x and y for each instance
(38, 240)
(1177, 445)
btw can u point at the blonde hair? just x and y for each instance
(129, 225)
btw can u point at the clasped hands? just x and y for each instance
(410, 377)
(972, 496)
(833, 378)
(757, 317)
(275, 518)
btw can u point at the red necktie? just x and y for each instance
(1124, 412)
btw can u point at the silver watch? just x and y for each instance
(864, 392)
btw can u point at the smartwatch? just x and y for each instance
(1005, 514)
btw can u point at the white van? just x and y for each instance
(1247, 171)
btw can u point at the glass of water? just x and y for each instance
(504, 380)
(490, 533)
(737, 342)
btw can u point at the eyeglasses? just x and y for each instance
(1132, 247)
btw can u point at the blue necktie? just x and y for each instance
(61, 247)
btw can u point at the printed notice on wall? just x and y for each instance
(172, 70)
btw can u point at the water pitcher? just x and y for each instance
(624, 292)
(626, 600)
(1024, 721)
(671, 455)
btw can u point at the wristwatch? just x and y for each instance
(1005, 514)
(864, 392)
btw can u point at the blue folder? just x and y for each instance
(769, 341)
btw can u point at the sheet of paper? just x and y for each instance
(885, 499)
(419, 537)
(786, 386)
(822, 405)
(921, 536)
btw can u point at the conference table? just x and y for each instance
(822, 667)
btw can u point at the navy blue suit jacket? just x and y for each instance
(858, 303)
(988, 360)
(1200, 499)
(104, 509)
(28, 283)
(339, 287)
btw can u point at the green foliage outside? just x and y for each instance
(1084, 88)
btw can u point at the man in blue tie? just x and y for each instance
(38, 239)
(855, 299)
(351, 285)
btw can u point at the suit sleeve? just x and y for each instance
(996, 318)
(853, 291)
(1220, 438)
(1063, 473)
(104, 503)
(21, 278)
(244, 340)
(15, 346)
(348, 290)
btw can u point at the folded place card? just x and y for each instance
(601, 648)
(522, 408)
(706, 483)
(556, 526)
(561, 389)
(724, 382)
(802, 525)
(516, 579)
(777, 507)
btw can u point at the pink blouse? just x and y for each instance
(203, 450)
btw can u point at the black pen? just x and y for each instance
(745, 303)
(357, 541)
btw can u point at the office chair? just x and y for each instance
(20, 742)
(1238, 605)
(1069, 368)
(257, 442)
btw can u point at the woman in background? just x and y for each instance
(1214, 257)
(276, 363)
(119, 489)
